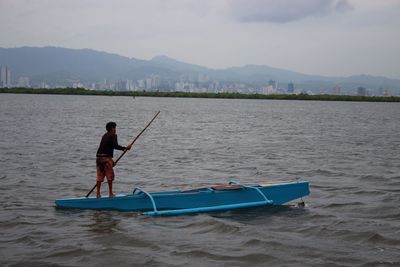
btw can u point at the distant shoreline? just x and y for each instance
(81, 91)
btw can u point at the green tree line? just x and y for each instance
(82, 91)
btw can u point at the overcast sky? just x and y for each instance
(327, 37)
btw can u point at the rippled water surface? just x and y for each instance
(349, 152)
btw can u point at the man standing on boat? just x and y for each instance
(105, 153)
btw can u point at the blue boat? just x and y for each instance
(218, 197)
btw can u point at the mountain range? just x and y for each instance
(56, 65)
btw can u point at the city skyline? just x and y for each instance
(35, 67)
(329, 37)
(201, 84)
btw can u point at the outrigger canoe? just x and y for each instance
(204, 199)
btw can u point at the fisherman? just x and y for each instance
(105, 153)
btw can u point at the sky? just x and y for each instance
(325, 37)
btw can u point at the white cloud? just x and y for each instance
(282, 11)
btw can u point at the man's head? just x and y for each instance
(110, 125)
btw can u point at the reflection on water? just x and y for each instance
(257, 215)
(103, 222)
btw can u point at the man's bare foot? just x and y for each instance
(98, 196)
(111, 195)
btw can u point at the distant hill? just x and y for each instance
(56, 65)
(59, 64)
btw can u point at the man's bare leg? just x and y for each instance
(98, 185)
(110, 192)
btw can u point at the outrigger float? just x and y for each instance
(212, 198)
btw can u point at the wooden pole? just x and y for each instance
(137, 137)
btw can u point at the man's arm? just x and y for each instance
(117, 146)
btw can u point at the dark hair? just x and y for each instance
(110, 125)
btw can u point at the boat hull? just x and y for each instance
(195, 200)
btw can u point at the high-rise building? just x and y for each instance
(361, 91)
(155, 81)
(148, 83)
(5, 76)
(122, 85)
(273, 83)
(290, 88)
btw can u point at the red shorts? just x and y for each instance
(104, 168)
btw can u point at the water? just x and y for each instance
(350, 153)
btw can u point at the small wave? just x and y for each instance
(215, 226)
(340, 205)
(36, 264)
(251, 258)
(372, 192)
(73, 252)
(252, 214)
(381, 264)
(260, 243)
(316, 216)
(333, 187)
(379, 239)
(371, 178)
(395, 182)
(323, 173)
(394, 216)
